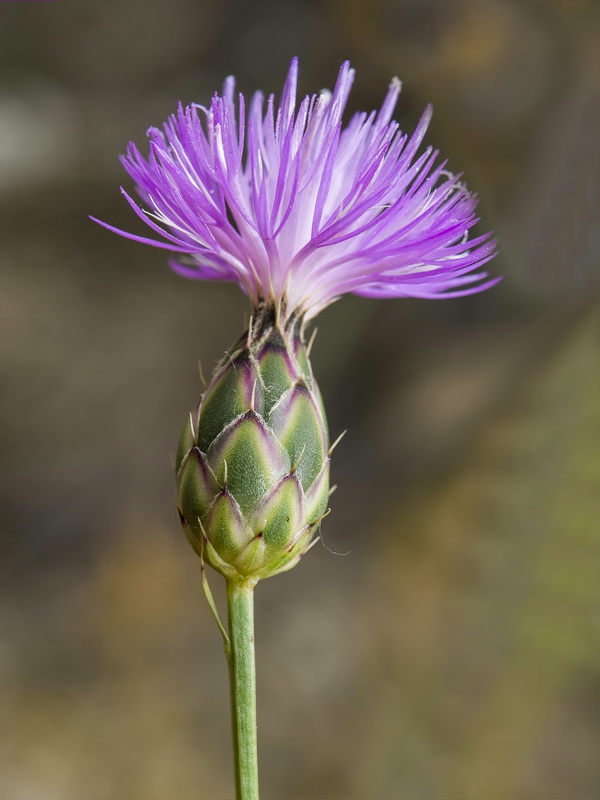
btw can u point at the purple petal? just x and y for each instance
(291, 204)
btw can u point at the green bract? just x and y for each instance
(253, 461)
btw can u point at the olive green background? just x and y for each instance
(453, 651)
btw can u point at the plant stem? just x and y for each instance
(242, 676)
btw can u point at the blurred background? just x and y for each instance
(453, 651)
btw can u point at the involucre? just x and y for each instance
(253, 460)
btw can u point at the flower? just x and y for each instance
(298, 209)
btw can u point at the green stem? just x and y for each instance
(242, 675)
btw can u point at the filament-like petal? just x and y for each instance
(300, 210)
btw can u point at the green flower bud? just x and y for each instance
(253, 461)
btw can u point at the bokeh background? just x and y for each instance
(453, 651)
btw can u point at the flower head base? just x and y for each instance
(299, 210)
(253, 460)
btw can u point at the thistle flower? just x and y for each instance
(298, 210)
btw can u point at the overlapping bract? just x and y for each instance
(253, 463)
(294, 207)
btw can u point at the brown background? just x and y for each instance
(454, 652)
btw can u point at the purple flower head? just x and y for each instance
(298, 209)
